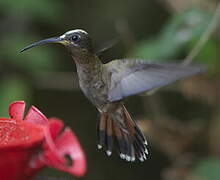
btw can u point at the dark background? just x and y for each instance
(180, 121)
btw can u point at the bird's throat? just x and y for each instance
(88, 65)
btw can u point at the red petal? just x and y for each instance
(35, 116)
(66, 144)
(19, 134)
(55, 127)
(16, 110)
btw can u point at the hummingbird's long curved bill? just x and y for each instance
(45, 41)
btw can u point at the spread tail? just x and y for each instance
(129, 138)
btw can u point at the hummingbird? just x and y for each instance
(106, 85)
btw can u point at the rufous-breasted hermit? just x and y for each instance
(106, 85)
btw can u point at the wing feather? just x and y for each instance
(129, 77)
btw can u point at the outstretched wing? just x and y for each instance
(129, 77)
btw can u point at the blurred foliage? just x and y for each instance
(45, 10)
(209, 54)
(13, 88)
(181, 32)
(207, 169)
(34, 61)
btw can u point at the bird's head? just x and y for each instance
(77, 41)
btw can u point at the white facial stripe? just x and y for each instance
(76, 30)
(73, 31)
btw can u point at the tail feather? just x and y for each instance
(130, 141)
(109, 139)
(102, 130)
(120, 140)
(137, 138)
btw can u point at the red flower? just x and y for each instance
(29, 143)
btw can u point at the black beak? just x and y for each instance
(45, 41)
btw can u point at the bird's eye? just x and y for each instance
(75, 38)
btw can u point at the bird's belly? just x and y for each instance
(96, 92)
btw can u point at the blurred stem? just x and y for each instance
(205, 37)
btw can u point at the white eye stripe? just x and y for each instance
(76, 30)
(73, 31)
